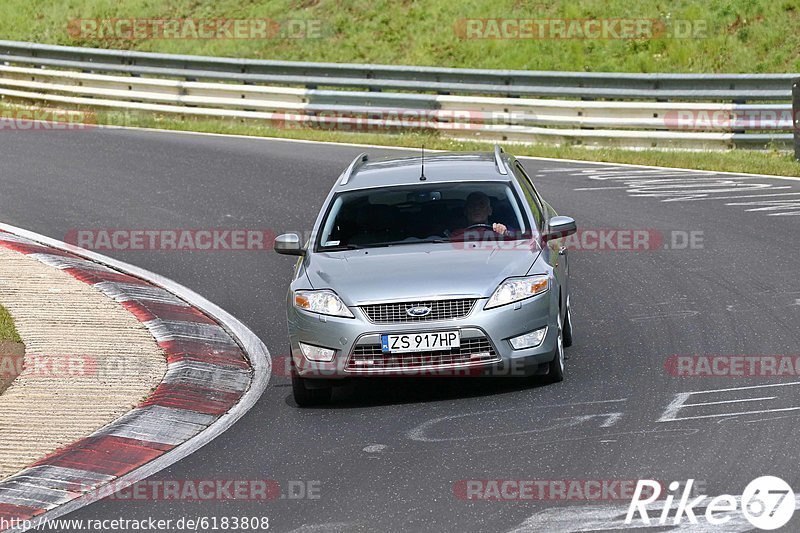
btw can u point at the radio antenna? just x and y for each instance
(422, 174)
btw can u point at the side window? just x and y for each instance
(530, 195)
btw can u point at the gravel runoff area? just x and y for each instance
(87, 361)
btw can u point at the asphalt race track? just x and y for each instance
(389, 457)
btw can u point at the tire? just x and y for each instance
(306, 397)
(568, 326)
(555, 370)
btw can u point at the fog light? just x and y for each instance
(317, 353)
(528, 340)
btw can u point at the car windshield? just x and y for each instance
(443, 212)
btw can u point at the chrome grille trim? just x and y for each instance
(395, 312)
(370, 358)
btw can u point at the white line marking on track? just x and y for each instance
(676, 314)
(679, 402)
(420, 432)
(759, 412)
(675, 186)
(600, 188)
(793, 206)
(730, 401)
(733, 197)
(711, 391)
(650, 167)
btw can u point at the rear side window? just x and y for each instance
(531, 196)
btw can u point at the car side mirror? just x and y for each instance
(558, 227)
(289, 244)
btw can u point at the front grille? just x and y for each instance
(369, 357)
(392, 313)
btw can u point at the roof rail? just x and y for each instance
(498, 160)
(350, 170)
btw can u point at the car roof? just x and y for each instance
(439, 167)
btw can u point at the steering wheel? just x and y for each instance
(480, 226)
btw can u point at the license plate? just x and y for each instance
(420, 342)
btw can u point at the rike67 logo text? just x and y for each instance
(767, 502)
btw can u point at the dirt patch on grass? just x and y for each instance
(12, 356)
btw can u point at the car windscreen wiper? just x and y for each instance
(397, 243)
(340, 247)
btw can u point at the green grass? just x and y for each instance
(749, 161)
(738, 35)
(11, 349)
(7, 330)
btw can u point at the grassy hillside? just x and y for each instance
(734, 35)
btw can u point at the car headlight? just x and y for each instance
(324, 302)
(516, 289)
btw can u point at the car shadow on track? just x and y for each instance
(390, 391)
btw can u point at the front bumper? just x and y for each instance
(487, 332)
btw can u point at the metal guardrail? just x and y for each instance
(734, 87)
(796, 115)
(485, 104)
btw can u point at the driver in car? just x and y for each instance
(478, 209)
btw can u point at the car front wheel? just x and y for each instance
(555, 371)
(305, 396)
(568, 326)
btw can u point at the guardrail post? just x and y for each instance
(796, 116)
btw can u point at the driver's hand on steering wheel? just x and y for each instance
(499, 228)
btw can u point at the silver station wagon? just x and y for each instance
(444, 265)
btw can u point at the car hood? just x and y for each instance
(416, 271)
